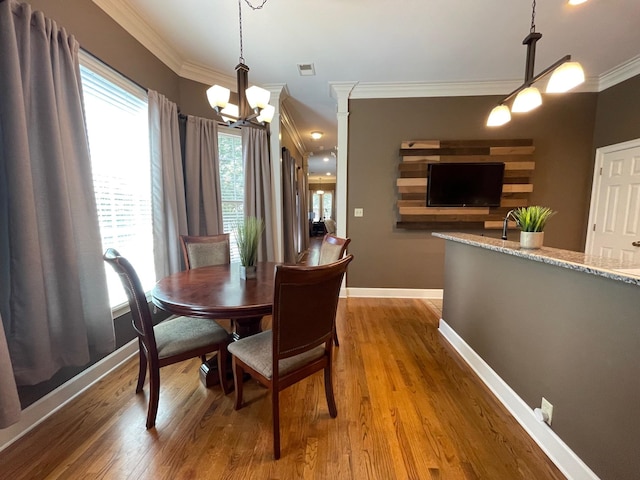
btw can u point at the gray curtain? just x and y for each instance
(258, 192)
(202, 172)
(53, 292)
(289, 207)
(303, 210)
(169, 211)
(9, 400)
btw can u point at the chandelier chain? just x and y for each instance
(533, 17)
(258, 7)
(240, 21)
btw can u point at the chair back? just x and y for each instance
(140, 313)
(332, 249)
(304, 306)
(202, 251)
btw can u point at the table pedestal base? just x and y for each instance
(244, 327)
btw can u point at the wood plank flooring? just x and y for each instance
(408, 408)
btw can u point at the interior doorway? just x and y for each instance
(613, 230)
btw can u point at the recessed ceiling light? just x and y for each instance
(316, 135)
(326, 159)
(328, 174)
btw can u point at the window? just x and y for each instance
(322, 205)
(117, 126)
(231, 183)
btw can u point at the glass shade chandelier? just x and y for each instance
(253, 107)
(565, 75)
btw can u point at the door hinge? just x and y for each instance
(594, 227)
(600, 171)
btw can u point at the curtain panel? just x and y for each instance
(202, 172)
(258, 192)
(53, 293)
(169, 211)
(289, 207)
(303, 210)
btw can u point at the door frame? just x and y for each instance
(597, 180)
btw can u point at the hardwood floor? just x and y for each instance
(408, 408)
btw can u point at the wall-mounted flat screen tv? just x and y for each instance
(465, 184)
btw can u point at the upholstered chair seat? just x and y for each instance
(183, 334)
(257, 352)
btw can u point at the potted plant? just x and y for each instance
(531, 222)
(248, 236)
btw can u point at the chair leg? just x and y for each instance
(142, 370)
(335, 337)
(154, 396)
(222, 368)
(275, 405)
(238, 375)
(328, 390)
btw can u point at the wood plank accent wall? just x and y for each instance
(415, 155)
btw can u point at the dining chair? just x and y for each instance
(332, 249)
(299, 343)
(170, 341)
(202, 251)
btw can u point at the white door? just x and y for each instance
(614, 218)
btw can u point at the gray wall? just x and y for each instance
(618, 113)
(565, 335)
(386, 257)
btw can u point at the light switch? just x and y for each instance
(358, 212)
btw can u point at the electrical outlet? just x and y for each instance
(358, 212)
(547, 409)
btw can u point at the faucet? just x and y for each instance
(505, 224)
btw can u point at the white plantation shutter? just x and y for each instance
(231, 184)
(117, 127)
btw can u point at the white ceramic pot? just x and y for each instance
(531, 240)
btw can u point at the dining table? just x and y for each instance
(219, 292)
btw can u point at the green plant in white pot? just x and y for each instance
(531, 222)
(248, 235)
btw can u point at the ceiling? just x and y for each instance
(440, 47)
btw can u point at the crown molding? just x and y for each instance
(619, 74)
(290, 126)
(203, 74)
(131, 20)
(451, 89)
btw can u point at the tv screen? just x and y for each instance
(465, 184)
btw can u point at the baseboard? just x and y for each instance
(432, 294)
(42, 409)
(552, 445)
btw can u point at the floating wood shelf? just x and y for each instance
(517, 155)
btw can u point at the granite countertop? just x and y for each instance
(603, 267)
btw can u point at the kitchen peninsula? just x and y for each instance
(556, 324)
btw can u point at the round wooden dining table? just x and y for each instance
(219, 292)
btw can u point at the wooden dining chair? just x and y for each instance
(170, 341)
(332, 249)
(202, 251)
(299, 344)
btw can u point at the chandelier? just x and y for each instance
(253, 107)
(566, 75)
